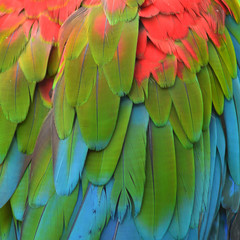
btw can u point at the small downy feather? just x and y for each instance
(97, 117)
(129, 177)
(68, 159)
(161, 183)
(101, 165)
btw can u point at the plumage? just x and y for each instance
(119, 119)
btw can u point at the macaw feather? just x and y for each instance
(18, 200)
(161, 183)
(198, 150)
(92, 213)
(80, 84)
(69, 157)
(158, 103)
(34, 59)
(41, 186)
(42, 222)
(129, 178)
(101, 165)
(138, 91)
(97, 117)
(14, 94)
(11, 48)
(187, 100)
(7, 129)
(185, 190)
(28, 130)
(231, 194)
(216, 64)
(178, 129)
(205, 86)
(53, 61)
(12, 168)
(119, 71)
(231, 124)
(103, 38)
(7, 223)
(124, 230)
(63, 113)
(217, 94)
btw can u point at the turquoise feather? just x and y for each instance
(11, 172)
(68, 160)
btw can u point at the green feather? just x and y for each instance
(97, 117)
(227, 54)
(167, 75)
(14, 94)
(207, 161)
(137, 91)
(33, 61)
(11, 48)
(19, 198)
(119, 71)
(103, 37)
(185, 191)
(80, 75)
(187, 100)
(158, 103)
(199, 181)
(129, 177)
(217, 94)
(41, 186)
(7, 230)
(28, 130)
(101, 165)
(178, 129)
(216, 65)
(77, 40)
(205, 85)
(63, 113)
(49, 221)
(7, 130)
(161, 183)
(53, 62)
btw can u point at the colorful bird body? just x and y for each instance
(119, 119)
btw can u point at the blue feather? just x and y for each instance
(11, 172)
(215, 195)
(231, 123)
(69, 158)
(213, 146)
(119, 231)
(231, 194)
(92, 214)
